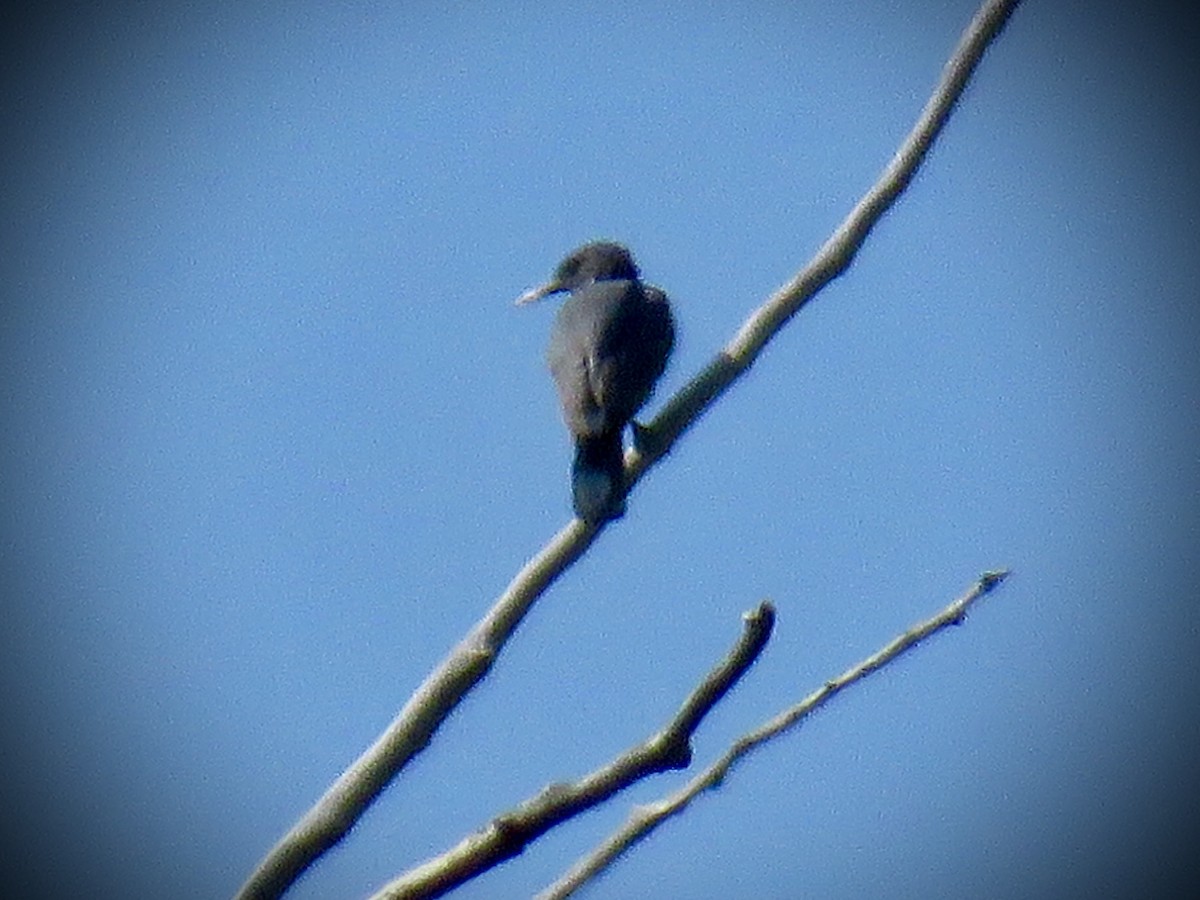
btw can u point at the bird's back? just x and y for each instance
(609, 345)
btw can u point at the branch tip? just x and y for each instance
(648, 817)
(993, 578)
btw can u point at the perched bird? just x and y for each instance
(609, 345)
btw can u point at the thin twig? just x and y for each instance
(508, 834)
(331, 818)
(645, 819)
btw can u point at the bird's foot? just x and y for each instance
(645, 440)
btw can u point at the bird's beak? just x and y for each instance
(534, 294)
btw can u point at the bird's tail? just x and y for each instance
(598, 477)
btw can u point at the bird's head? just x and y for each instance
(598, 261)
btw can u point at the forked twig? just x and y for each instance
(645, 819)
(508, 834)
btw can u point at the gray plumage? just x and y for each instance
(609, 345)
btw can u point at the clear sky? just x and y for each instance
(275, 436)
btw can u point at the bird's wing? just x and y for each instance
(572, 364)
(633, 354)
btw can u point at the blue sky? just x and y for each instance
(275, 437)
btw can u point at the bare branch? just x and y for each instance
(682, 410)
(345, 801)
(409, 733)
(508, 834)
(645, 819)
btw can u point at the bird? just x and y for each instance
(609, 345)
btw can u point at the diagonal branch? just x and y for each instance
(682, 410)
(329, 820)
(507, 835)
(645, 819)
